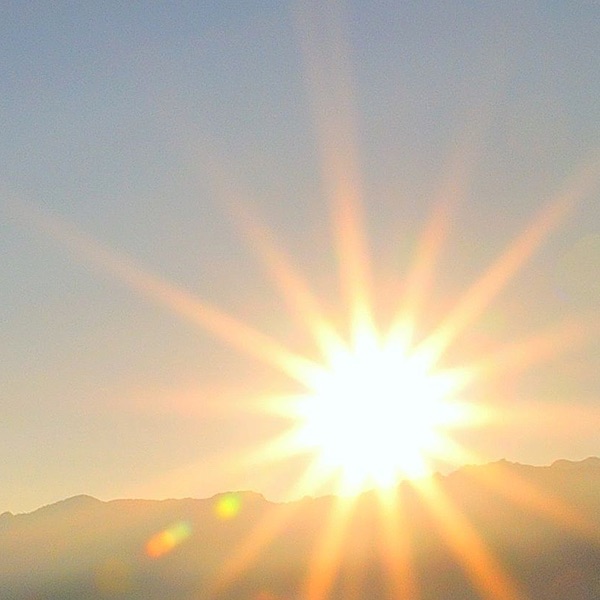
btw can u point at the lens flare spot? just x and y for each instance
(227, 506)
(165, 541)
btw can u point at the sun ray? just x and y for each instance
(293, 288)
(536, 348)
(328, 74)
(449, 195)
(264, 532)
(420, 275)
(480, 565)
(327, 556)
(186, 479)
(502, 479)
(455, 453)
(555, 417)
(476, 299)
(217, 322)
(276, 450)
(395, 546)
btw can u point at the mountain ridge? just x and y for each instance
(540, 524)
(590, 461)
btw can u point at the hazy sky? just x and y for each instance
(145, 127)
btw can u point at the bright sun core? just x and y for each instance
(376, 415)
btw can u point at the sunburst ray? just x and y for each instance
(291, 285)
(327, 557)
(450, 194)
(210, 318)
(328, 74)
(395, 546)
(477, 298)
(264, 532)
(542, 346)
(499, 477)
(486, 573)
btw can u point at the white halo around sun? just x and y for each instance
(376, 414)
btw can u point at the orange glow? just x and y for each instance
(354, 471)
(327, 557)
(395, 547)
(165, 541)
(376, 386)
(354, 386)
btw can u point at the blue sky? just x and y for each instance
(140, 124)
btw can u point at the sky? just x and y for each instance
(148, 147)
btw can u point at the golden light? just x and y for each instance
(377, 414)
(379, 408)
(372, 412)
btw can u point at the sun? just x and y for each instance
(377, 413)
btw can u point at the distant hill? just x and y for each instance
(516, 530)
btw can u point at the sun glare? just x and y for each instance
(376, 414)
(377, 409)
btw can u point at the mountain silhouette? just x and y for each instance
(501, 530)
